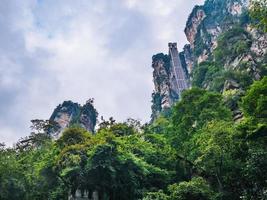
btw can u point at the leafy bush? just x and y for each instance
(195, 189)
(156, 196)
(258, 12)
(255, 102)
(232, 44)
(204, 74)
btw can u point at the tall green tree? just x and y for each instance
(258, 12)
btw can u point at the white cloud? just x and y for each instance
(53, 51)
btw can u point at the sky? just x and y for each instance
(56, 50)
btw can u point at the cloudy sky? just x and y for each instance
(56, 50)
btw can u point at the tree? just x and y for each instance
(72, 158)
(12, 185)
(72, 136)
(214, 150)
(258, 12)
(254, 105)
(156, 196)
(195, 189)
(197, 108)
(205, 73)
(255, 102)
(119, 169)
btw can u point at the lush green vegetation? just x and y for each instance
(259, 13)
(204, 74)
(224, 64)
(232, 44)
(198, 152)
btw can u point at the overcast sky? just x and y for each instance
(56, 50)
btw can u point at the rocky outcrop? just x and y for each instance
(170, 79)
(207, 22)
(162, 95)
(188, 58)
(69, 113)
(196, 18)
(259, 43)
(226, 49)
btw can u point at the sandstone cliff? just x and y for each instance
(69, 113)
(225, 53)
(220, 31)
(170, 79)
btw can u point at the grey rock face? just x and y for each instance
(206, 23)
(219, 32)
(170, 79)
(204, 28)
(69, 113)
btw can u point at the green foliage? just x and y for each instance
(200, 45)
(156, 103)
(193, 151)
(205, 73)
(195, 189)
(255, 102)
(232, 97)
(196, 108)
(255, 172)
(231, 44)
(156, 161)
(254, 105)
(156, 196)
(214, 146)
(241, 77)
(12, 185)
(72, 136)
(212, 76)
(258, 12)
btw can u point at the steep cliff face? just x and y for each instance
(163, 94)
(224, 24)
(207, 22)
(69, 113)
(224, 53)
(170, 79)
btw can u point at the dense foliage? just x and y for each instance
(259, 13)
(198, 152)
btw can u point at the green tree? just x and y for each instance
(214, 152)
(195, 189)
(12, 184)
(156, 196)
(73, 135)
(254, 105)
(258, 12)
(204, 75)
(72, 157)
(255, 102)
(118, 169)
(197, 108)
